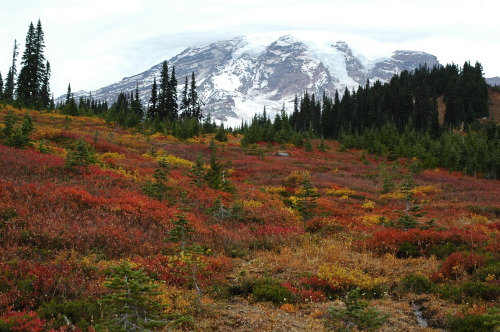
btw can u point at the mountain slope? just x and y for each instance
(238, 77)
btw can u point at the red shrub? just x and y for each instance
(456, 264)
(22, 321)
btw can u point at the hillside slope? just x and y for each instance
(275, 241)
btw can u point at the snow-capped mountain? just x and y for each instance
(239, 77)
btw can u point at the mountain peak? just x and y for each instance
(238, 77)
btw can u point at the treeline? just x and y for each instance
(164, 112)
(409, 98)
(473, 152)
(399, 119)
(30, 86)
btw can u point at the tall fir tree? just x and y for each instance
(185, 105)
(162, 95)
(33, 72)
(1, 86)
(172, 106)
(153, 101)
(45, 89)
(11, 76)
(194, 99)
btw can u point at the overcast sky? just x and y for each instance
(93, 43)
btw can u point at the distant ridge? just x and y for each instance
(236, 78)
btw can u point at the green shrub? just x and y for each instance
(469, 291)
(486, 272)
(444, 250)
(357, 316)
(268, 290)
(416, 283)
(407, 250)
(481, 290)
(80, 313)
(470, 323)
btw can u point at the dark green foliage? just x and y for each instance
(215, 176)
(9, 120)
(32, 82)
(190, 106)
(131, 304)
(413, 212)
(158, 188)
(80, 313)
(307, 199)
(220, 135)
(268, 290)
(182, 230)
(15, 135)
(80, 157)
(472, 291)
(407, 250)
(481, 290)
(474, 323)
(197, 172)
(356, 316)
(443, 250)
(417, 283)
(8, 92)
(488, 272)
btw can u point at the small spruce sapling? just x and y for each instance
(80, 157)
(132, 304)
(356, 316)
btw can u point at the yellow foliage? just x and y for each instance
(343, 277)
(425, 190)
(368, 205)
(47, 132)
(421, 190)
(343, 193)
(171, 159)
(131, 141)
(252, 204)
(176, 300)
(275, 190)
(478, 219)
(296, 178)
(134, 175)
(393, 195)
(370, 219)
(111, 155)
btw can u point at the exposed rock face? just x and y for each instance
(236, 79)
(493, 81)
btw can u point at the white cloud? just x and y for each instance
(91, 43)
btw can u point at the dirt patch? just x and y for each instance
(494, 104)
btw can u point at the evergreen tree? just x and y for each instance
(185, 102)
(80, 157)
(163, 111)
(1, 87)
(69, 95)
(153, 100)
(137, 106)
(182, 230)
(34, 72)
(132, 304)
(307, 199)
(197, 172)
(172, 105)
(194, 100)
(11, 76)
(10, 120)
(45, 99)
(215, 176)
